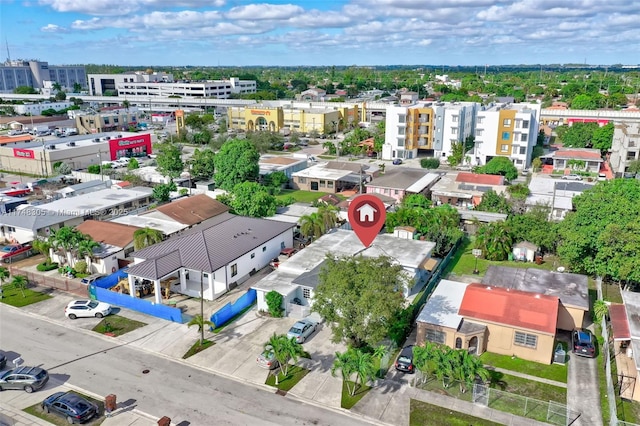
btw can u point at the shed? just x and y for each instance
(525, 251)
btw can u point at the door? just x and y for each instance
(473, 346)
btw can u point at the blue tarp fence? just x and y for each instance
(230, 310)
(126, 301)
(111, 280)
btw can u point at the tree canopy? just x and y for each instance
(359, 296)
(499, 166)
(252, 199)
(494, 203)
(202, 164)
(236, 162)
(169, 160)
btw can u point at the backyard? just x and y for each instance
(300, 196)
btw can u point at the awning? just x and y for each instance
(619, 322)
(430, 264)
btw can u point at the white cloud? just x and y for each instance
(264, 11)
(52, 28)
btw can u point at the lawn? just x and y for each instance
(295, 374)
(196, 348)
(13, 296)
(36, 410)
(425, 414)
(528, 388)
(552, 372)
(347, 401)
(300, 196)
(117, 325)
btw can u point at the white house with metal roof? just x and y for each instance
(25, 225)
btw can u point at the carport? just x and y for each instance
(625, 365)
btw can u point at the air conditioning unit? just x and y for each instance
(51, 146)
(96, 140)
(106, 138)
(119, 136)
(71, 144)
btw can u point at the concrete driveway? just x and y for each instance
(583, 393)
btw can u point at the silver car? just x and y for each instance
(267, 359)
(302, 330)
(28, 379)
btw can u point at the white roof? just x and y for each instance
(321, 172)
(92, 202)
(443, 305)
(424, 182)
(167, 227)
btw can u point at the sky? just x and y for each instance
(321, 32)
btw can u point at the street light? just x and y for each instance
(100, 162)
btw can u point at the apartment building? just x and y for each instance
(625, 147)
(14, 74)
(506, 130)
(427, 126)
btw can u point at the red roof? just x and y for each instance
(578, 154)
(480, 179)
(515, 308)
(619, 322)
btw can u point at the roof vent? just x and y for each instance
(537, 296)
(71, 144)
(51, 146)
(488, 287)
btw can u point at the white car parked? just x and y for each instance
(86, 308)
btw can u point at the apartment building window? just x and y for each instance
(401, 130)
(506, 136)
(631, 155)
(480, 119)
(479, 132)
(400, 141)
(524, 137)
(234, 269)
(454, 118)
(435, 336)
(506, 122)
(402, 118)
(504, 148)
(525, 124)
(525, 339)
(253, 255)
(523, 150)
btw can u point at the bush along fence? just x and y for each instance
(230, 310)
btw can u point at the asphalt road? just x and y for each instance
(187, 395)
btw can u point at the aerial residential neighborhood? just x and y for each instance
(251, 232)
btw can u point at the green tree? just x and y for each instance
(345, 363)
(199, 321)
(359, 296)
(284, 350)
(20, 282)
(500, 166)
(494, 203)
(85, 249)
(275, 180)
(146, 237)
(534, 226)
(60, 96)
(169, 160)
(66, 240)
(63, 169)
(495, 240)
(202, 164)
(42, 246)
(579, 135)
(162, 192)
(584, 101)
(4, 276)
(312, 226)
(236, 162)
(633, 167)
(274, 303)
(416, 200)
(603, 138)
(600, 310)
(466, 368)
(24, 90)
(617, 254)
(133, 164)
(253, 200)
(457, 154)
(77, 88)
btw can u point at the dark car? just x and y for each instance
(397, 161)
(3, 361)
(28, 379)
(583, 343)
(73, 407)
(404, 362)
(372, 154)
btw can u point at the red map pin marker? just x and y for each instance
(367, 215)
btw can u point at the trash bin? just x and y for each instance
(109, 404)
(164, 421)
(559, 355)
(539, 260)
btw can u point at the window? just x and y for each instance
(234, 269)
(454, 130)
(524, 137)
(458, 343)
(253, 255)
(282, 245)
(435, 336)
(479, 132)
(401, 118)
(506, 122)
(205, 275)
(400, 141)
(11, 229)
(506, 136)
(329, 184)
(504, 148)
(524, 339)
(323, 183)
(306, 293)
(630, 156)
(480, 120)
(523, 150)
(401, 130)
(525, 124)
(264, 249)
(454, 118)
(302, 180)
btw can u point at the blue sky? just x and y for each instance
(322, 32)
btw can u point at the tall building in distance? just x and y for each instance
(38, 74)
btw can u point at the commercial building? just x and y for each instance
(97, 122)
(506, 130)
(14, 74)
(625, 147)
(37, 108)
(432, 127)
(39, 157)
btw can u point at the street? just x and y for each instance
(188, 395)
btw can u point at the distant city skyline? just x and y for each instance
(321, 32)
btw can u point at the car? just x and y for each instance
(71, 406)
(91, 279)
(372, 154)
(583, 343)
(3, 361)
(28, 379)
(288, 252)
(602, 177)
(404, 362)
(13, 250)
(267, 359)
(572, 176)
(301, 330)
(397, 161)
(87, 308)
(524, 172)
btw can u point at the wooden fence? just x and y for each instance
(43, 280)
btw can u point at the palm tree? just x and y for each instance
(466, 368)
(198, 320)
(329, 216)
(85, 249)
(146, 237)
(278, 347)
(425, 358)
(20, 281)
(312, 226)
(66, 240)
(345, 363)
(56, 86)
(600, 310)
(294, 350)
(364, 368)
(495, 240)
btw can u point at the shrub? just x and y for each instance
(285, 201)
(183, 191)
(274, 303)
(401, 326)
(80, 267)
(430, 163)
(94, 169)
(46, 266)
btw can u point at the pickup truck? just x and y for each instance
(15, 251)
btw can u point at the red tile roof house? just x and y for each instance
(491, 319)
(570, 159)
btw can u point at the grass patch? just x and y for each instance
(232, 320)
(117, 325)
(347, 401)
(300, 196)
(528, 388)
(286, 383)
(197, 347)
(552, 372)
(611, 292)
(12, 295)
(36, 410)
(423, 413)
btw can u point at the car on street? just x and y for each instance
(572, 176)
(86, 308)
(28, 379)
(404, 362)
(91, 279)
(70, 406)
(583, 343)
(301, 330)
(397, 161)
(267, 359)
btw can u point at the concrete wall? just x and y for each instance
(569, 318)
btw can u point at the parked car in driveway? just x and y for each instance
(28, 379)
(572, 176)
(87, 308)
(301, 330)
(397, 161)
(71, 406)
(267, 359)
(583, 343)
(404, 362)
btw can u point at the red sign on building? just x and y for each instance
(131, 146)
(24, 153)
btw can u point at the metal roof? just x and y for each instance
(443, 305)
